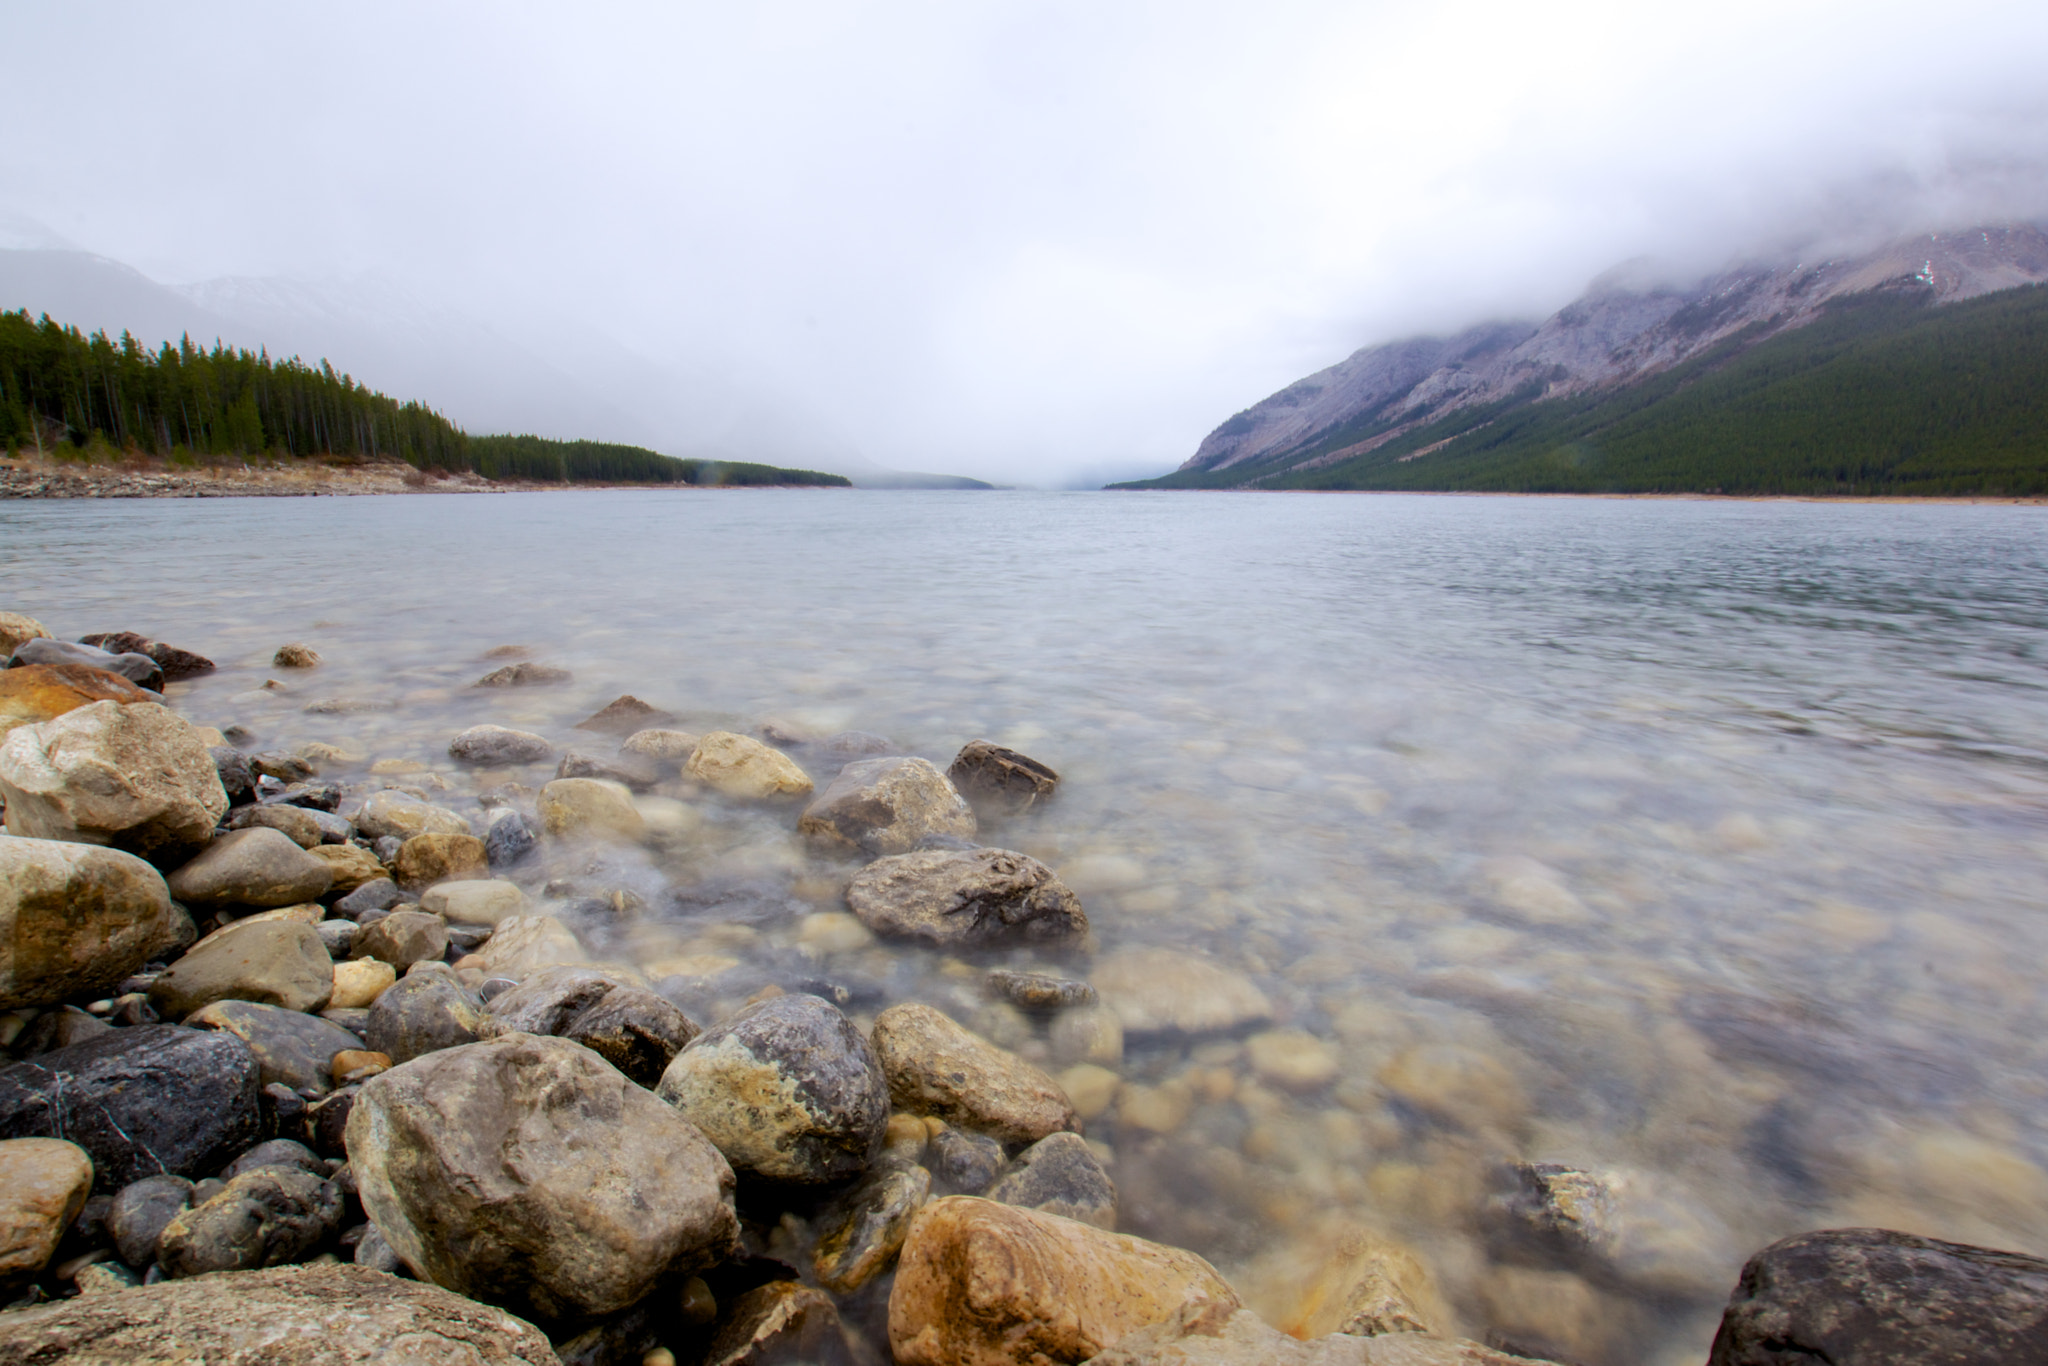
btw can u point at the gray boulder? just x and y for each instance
(496, 746)
(524, 1171)
(135, 777)
(269, 1216)
(275, 962)
(289, 1046)
(76, 919)
(966, 897)
(788, 1090)
(138, 669)
(885, 806)
(258, 867)
(140, 1212)
(424, 1012)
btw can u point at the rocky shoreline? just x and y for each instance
(22, 478)
(309, 1063)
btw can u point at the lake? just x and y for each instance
(1702, 845)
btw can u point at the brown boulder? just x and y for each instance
(137, 777)
(36, 693)
(998, 781)
(175, 663)
(44, 1183)
(885, 806)
(625, 715)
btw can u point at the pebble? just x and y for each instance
(401, 816)
(963, 1163)
(1091, 1088)
(139, 1213)
(352, 868)
(295, 656)
(358, 983)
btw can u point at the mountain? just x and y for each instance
(1612, 391)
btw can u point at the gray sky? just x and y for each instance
(1026, 241)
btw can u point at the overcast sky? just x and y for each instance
(1025, 241)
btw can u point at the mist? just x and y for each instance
(1048, 244)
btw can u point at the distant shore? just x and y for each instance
(150, 478)
(1902, 499)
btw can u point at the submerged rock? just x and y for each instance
(966, 896)
(523, 675)
(76, 919)
(138, 669)
(136, 777)
(1059, 1175)
(662, 746)
(295, 656)
(524, 944)
(401, 816)
(935, 1067)
(479, 901)
(885, 806)
(510, 839)
(590, 808)
(1037, 990)
(526, 1172)
(175, 663)
(1206, 1334)
(625, 716)
(1163, 991)
(999, 781)
(498, 746)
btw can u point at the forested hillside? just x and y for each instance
(59, 387)
(1883, 393)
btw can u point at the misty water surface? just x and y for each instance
(1699, 842)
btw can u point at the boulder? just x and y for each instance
(1875, 1297)
(634, 1030)
(140, 1212)
(480, 901)
(523, 675)
(935, 1067)
(140, 670)
(985, 1284)
(1164, 991)
(425, 860)
(526, 1172)
(885, 806)
(865, 1228)
(625, 716)
(998, 781)
(256, 867)
(289, 1047)
(76, 919)
(522, 945)
(966, 897)
(17, 629)
(787, 1089)
(782, 1321)
(498, 747)
(1215, 1334)
(44, 1183)
(672, 747)
(1059, 1175)
(295, 656)
(589, 808)
(741, 766)
(134, 776)
(269, 1216)
(351, 867)
(403, 938)
(31, 696)
(294, 822)
(424, 1012)
(322, 1315)
(175, 663)
(274, 962)
(142, 1101)
(400, 816)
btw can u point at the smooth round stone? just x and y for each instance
(425, 860)
(1037, 990)
(378, 894)
(885, 806)
(589, 808)
(296, 823)
(256, 867)
(138, 669)
(351, 866)
(936, 1067)
(479, 901)
(289, 1047)
(336, 936)
(741, 766)
(400, 816)
(498, 747)
(44, 1183)
(139, 1213)
(522, 945)
(1292, 1059)
(77, 919)
(358, 983)
(276, 962)
(424, 1013)
(403, 938)
(295, 656)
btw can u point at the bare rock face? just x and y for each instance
(1214, 1334)
(1879, 1298)
(966, 896)
(323, 1315)
(136, 777)
(1162, 991)
(984, 1284)
(36, 693)
(885, 806)
(935, 1067)
(258, 867)
(787, 1089)
(741, 766)
(1000, 782)
(275, 962)
(44, 1183)
(526, 1172)
(75, 918)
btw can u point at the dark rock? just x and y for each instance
(885, 806)
(312, 796)
(237, 779)
(998, 781)
(831, 1104)
(864, 1229)
(620, 1339)
(523, 675)
(291, 1048)
(386, 848)
(277, 1152)
(55, 1029)
(138, 669)
(1037, 990)
(326, 1122)
(636, 773)
(338, 936)
(139, 1212)
(284, 1110)
(783, 1321)
(374, 1251)
(422, 1013)
(635, 1031)
(402, 939)
(1058, 1174)
(624, 715)
(497, 746)
(980, 896)
(1874, 1297)
(379, 894)
(510, 839)
(144, 1101)
(964, 1163)
(175, 663)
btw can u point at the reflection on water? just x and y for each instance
(1697, 844)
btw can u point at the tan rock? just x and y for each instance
(1165, 991)
(1091, 1088)
(75, 918)
(400, 815)
(936, 1067)
(1341, 1278)
(966, 897)
(403, 938)
(885, 806)
(425, 860)
(524, 944)
(295, 656)
(36, 693)
(663, 746)
(1457, 1085)
(480, 901)
(985, 1284)
(740, 766)
(135, 776)
(351, 865)
(16, 628)
(270, 962)
(358, 984)
(1292, 1059)
(44, 1183)
(589, 808)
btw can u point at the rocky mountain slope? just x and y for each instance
(1625, 329)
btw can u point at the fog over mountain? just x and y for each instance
(1045, 244)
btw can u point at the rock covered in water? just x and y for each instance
(986, 1284)
(44, 1183)
(998, 781)
(782, 1321)
(936, 1067)
(76, 918)
(274, 962)
(590, 808)
(524, 675)
(662, 746)
(966, 896)
(136, 777)
(268, 1216)
(1291, 1059)
(141, 1211)
(1614, 1225)
(885, 806)
(526, 1172)
(1337, 1277)
(787, 1089)
(175, 663)
(425, 860)
(630, 771)
(1876, 1297)
(1060, 1175)
(865, 1228)
(1039, 991)
(403, 938)
(141, 1101)
(396, 814)
(321, 1315)
(625, 716)
(30, 696)
(498, 746)
(138, 669)
(1209, 1334)
(510, 839)
(741, 766)
(524, 944)
(289, 1046)
(295, 656)
(424, 1012)
(258, 867)
(1164, 991)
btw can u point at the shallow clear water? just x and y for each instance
(1699, 842)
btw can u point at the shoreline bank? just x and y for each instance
(144, 478)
